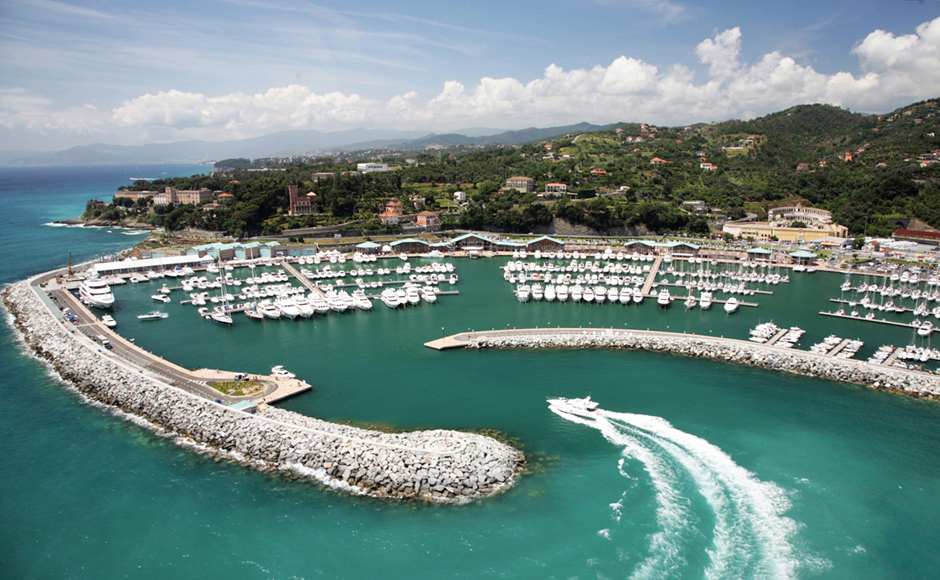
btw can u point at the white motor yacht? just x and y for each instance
(412, 295)
(664, 300)
(705, 301)
(390, 298)
(287, 306)
(108, 321)
(96, 292)
(160, 298)
(268, 310)
(319, 303)
(279, 372)
(152, 316)
(637, 295)
(303, 305)
(731, 306)
(581, 407)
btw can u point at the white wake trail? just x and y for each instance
(751, 537)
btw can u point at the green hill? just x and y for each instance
(865, 169)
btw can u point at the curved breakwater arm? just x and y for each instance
(875, 376)
(438, 465)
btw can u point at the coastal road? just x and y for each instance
(89, 325)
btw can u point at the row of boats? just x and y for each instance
(768, 330)
(305, 306)
(602, 294)
(832, 341)
(408, 295)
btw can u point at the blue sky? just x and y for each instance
(129, 72)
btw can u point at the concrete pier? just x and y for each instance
(908, 382)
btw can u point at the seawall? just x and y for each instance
(437, 465)
(874, 376)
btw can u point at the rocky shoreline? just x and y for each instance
(873, 376)
(437, 466)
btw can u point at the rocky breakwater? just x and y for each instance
(874, 376)
(442, 466)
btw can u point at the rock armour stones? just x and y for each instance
(874, 376)
(438, 465)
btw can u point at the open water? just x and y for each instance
(700, 470)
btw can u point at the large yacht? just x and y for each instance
(731, 306)
(302, 304)
(663, 299)
(705, 301)
(637, 295)
(287, 306)
(582, 407)
(390, 298)
(96, 292)
(269, 310)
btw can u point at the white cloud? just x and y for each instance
(721, 54)
(895, 70)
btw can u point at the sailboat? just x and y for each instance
(219, 313)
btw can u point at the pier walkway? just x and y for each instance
(303, 279)
(865, 319)
(839, 347)
(776, 338)
(652, 275)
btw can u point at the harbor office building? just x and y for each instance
(764, 231)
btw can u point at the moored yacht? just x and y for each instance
(96, 292)
(390, 298)
(268, 310)
(664, 300)
(731, 306)
(705, 301)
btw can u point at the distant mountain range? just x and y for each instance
(282, 144)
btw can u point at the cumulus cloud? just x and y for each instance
(894, 71)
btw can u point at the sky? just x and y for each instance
(129, 72)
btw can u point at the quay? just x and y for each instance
(195, 381)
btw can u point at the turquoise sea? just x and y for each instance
(703, 470)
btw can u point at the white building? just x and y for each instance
(460, 196)
(370, 167)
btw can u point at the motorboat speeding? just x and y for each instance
(581, 407)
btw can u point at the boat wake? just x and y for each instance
(700, 494)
